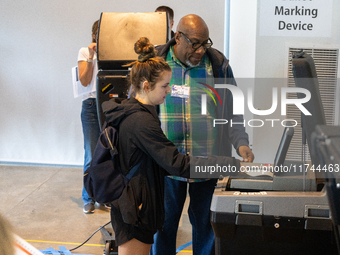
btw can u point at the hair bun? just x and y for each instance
(144, 49)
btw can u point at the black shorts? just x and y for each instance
(126, 232)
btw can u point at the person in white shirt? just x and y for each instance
(88, 69)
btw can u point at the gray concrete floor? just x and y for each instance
(44, 206)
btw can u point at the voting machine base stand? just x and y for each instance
(109, 242)
(252, 234)
(272, 222)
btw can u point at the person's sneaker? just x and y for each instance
(103, 205)
(89, 208)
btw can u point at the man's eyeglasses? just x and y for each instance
(196, 46)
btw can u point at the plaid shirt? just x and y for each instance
(181, 118)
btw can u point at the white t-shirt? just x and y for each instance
(83, 55)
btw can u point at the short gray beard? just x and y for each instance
(188, 63)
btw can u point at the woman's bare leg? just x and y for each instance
(134, 247)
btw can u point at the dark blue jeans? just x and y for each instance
(199, 214)
(91, 131)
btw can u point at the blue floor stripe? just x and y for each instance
(63, 251)
(182, 247)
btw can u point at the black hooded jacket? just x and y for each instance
(141, 139)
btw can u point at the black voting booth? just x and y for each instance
(117, 34)
(326, 146)
(277, 221)
(305, 77)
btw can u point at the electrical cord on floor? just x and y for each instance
(90, 236)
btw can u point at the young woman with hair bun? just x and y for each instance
(139, 212)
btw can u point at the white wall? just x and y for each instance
(243, 48)
(243, 37)
(40, 119)
(252, 55)
(40, 40)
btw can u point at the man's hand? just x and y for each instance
(246, 153)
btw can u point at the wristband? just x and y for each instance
(89, 60)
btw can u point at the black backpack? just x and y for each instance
(104, 180)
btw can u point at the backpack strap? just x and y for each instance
(113, 150)
(133, 171)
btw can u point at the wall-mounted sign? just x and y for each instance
(296, 18)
